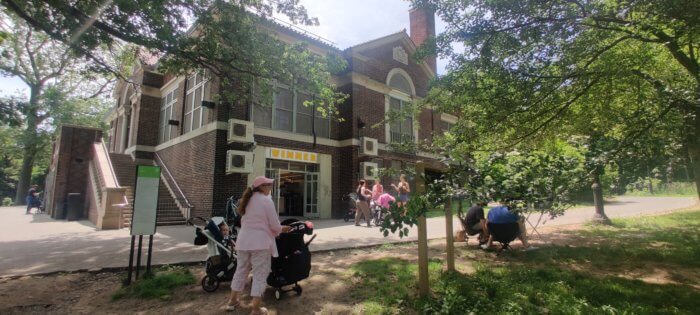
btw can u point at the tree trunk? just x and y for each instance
(694, 152)
(450, 235)
(30, 142)
(693, 143)
(599, 216)
(651, 182)
(423, 277)
(30, 149)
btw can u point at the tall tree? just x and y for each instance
(47, 67)
(230, 38)
(532, 69)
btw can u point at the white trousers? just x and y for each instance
(261, 263)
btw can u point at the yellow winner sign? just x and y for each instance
(292, 155)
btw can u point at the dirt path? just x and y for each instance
(326, 291)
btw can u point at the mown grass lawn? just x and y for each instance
(648, 265)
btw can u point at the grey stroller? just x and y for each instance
(221, 258)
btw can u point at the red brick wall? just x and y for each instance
(146, 117)
(192, 163)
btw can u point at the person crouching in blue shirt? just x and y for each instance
(501, 215)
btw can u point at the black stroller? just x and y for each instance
(294, 261)
(351, 200)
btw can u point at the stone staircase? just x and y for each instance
(125, 170)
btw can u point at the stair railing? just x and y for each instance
(182, 202)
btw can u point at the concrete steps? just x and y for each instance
(168, 212)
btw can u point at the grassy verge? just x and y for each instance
(645, 265)
(678, 189)
(159, 286)
(388, 285)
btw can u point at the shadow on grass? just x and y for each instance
(522, 289)
(596, 271)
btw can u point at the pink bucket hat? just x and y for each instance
(261, 180)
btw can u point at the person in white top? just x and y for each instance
(256, 243)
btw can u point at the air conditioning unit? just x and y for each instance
(240, 131)
(239, 161)
(369, 146)
(368, 170)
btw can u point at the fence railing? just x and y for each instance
(182, 202)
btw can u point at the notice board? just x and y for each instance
(143, 221)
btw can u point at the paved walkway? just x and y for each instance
(31, 244)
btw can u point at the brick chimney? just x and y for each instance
(423, 27)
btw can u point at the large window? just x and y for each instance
(401, 128)
(401, 124)
(166, 114)
(197, 90)
(288, 112)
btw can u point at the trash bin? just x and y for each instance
(74, 207)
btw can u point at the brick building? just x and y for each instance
(209, 151)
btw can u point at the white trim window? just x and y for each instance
(166, 114)
(401, 130)
(197, 91)
(399, 101)
(288, 113)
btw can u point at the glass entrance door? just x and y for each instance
(275, 194)
(311, 195)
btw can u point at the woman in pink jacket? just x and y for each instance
(256, 242)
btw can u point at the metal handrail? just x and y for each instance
(172, 179)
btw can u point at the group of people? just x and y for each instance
(476, 223)
(366, 197)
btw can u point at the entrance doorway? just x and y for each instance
(295, 192)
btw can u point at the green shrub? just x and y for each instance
(159, 286)
(7, 201)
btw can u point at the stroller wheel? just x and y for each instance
(209, 283)
(297, 289)
(346, 218)
(278, 294)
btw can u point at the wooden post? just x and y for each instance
(450, 236)
(423, 281)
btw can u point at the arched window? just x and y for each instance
(400, 82)
(399, 103)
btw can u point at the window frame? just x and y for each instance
(275, 85)
(164, 127)
(200, 79)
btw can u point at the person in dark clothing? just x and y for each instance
(475, 222)
(33, 199)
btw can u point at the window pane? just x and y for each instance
(207, 91)
(198, 97)
(395, 105)
(283, 120)
(284, 99)
(304, 124)
(279, 164)
(300, 104)
(196, 120)
(407, 126)
(322, 129)
(399, 82)
(262, 116)
(190, 82)
(188, 103)
(188, 122)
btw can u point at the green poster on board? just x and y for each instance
(143, 221)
